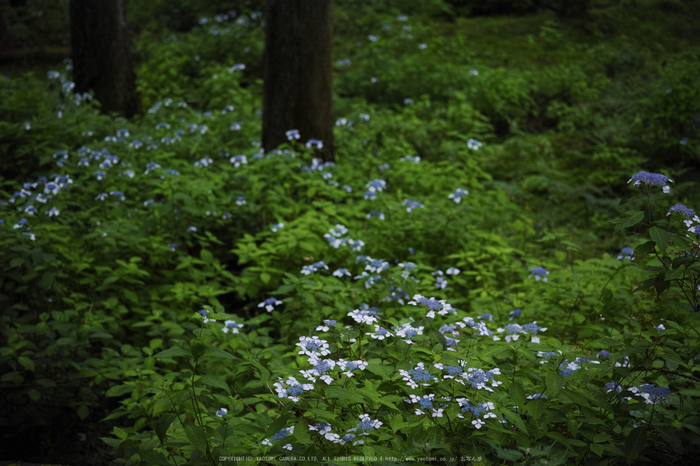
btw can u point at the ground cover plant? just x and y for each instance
(500, 267)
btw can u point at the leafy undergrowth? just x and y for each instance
(452, 288)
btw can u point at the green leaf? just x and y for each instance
(345, 395)
(555, 383)
(171, 353)
(196, 436)
(301, 433)
(163, 424)
(536, 407)
(197, 348)
(218, 353)
(265, 277)
(634, 218)
(516, 420)
(120, 390)
(153, 457)
(559, 438)
(635, 443)
(215, 382)
(83, 412)
(659, 237)
(644, 249)
(112, 442)
(26, 363)
(517, 394)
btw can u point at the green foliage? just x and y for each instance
(163, 277)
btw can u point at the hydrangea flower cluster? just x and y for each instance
(540, 273)
(309, 269)
(651, 179)
(458, 194)
(270, 303)
(651, 393)
(626, 253)
(336, 237)
(480, 411)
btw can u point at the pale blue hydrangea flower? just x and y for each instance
(277, 226)
(327, 324)
(53, 211)
(457, 195)
(270, 303)
(626, 253)
(162, 124)
(20, 224)
(314, 143)
(411, 205)
(372, 37)
(313, 346)
(240, 201)
(292, 134)
(221, 412)
(375, 213)
(423, 46)
(370, 195)
(232, 326)
(376, 185)
(235, 126)
(473, 144)
(408, 101)
(681, 209)
(151, 166)
(540, 273)
(364, 117)
(452, 271)
(204, 313)
(101, 197)
(651, 179)
(238, 160)
(341, 122)
(341, 272)
(440, 283)
(651, 393)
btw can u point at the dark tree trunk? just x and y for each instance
(101, 57)
(297, 90)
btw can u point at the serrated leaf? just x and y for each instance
(26, 363)
(218, 353)
(197, 348)
(660, 237)
(301, 433)
(517, 394)
(197, 436)
(345, 395)
(536, 407)
(516, 420)
(163, 424)
(555, 383)
(120, 390)
(112, 442)
(635, 443)
(215, 382)
(633, 219)
(171, 353)
(153, 457)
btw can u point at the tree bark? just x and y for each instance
(297, 91)
(101, 57)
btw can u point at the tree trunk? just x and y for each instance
(101, 57)
(297, 91)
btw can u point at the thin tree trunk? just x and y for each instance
(101, 57)
(297, 90)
